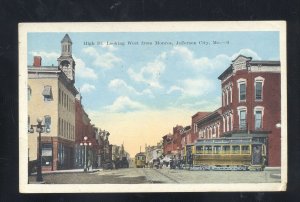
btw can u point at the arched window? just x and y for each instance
(242, 89)
(242, 112)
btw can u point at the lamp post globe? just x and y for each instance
(39, 120)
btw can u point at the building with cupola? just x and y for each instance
(51, 96)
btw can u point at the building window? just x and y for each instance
(258, 90)
(29, 92)
(230, 90)
(59, 97)
(258, 84)
(258, 116)
(48, 123)
(47, 93)
(242, 91)
(59, 127)
(243, 123)
(258, 119)
(223, 98)
(46, 154)
(227, 95)
(28, 123)
(227, 123)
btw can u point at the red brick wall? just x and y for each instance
(271, 103)
(196, 117)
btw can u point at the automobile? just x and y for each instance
(108, 165)
(124, 162)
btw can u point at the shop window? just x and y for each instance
(46, 154)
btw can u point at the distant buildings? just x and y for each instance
(251, 101)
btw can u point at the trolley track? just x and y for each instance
(156, 176)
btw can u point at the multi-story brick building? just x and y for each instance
(84, 128)
(51, 96)
(210, 125)
(250, 105)
(251, 97)
(194, 134)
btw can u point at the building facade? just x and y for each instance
(250, 106)
(51, 96)
(251, 100)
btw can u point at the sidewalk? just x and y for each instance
(69, 171)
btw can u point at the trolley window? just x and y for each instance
(235, 149)
(226, 149)
(208, 149)
(199, 149)
(245, 149)
(217, 149)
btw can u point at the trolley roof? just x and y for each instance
(226, 140)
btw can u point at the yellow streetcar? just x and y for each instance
(140, 160)
(226, 154)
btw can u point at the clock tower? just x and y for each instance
(66, 62)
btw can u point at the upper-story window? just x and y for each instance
(259, 82)
(258, 116)
(47, 93)
(242, 89)
(258, 90)
(48, 123)
(243, 119)
(242, 92)
(242, 112)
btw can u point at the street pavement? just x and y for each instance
(165, 175)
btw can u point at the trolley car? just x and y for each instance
(226, 154)
(140, 160)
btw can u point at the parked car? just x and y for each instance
(108, 165)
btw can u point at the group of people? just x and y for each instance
(173, 163)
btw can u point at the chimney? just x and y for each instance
(37, 61)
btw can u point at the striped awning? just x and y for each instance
(47, 91)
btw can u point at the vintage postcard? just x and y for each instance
(152, 107)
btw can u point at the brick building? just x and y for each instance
(210, 125)
(194, 135)
(250, 105)
(251, 99)
(84, 128)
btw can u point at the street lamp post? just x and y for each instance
(39, 129)
(85, 143)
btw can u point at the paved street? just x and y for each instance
(147, 175)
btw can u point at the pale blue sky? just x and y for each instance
(152, 76)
